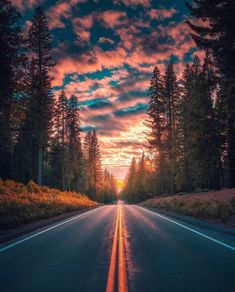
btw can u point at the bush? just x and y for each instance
(21, 204)
(208, 205)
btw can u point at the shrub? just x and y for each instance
(208, 205)
(21, 204)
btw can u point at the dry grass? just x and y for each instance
(212, 205)
(20, 204)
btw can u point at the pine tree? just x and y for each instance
(42, 99)
(198, 140)
(142, 187)
(129, 188)
(94, 173)
(10, 57)
(219, 38)
(59, 152)
(35, 132)
(184, 175)
(96, 164)
(74, 144)
(157, 125)
(140, 181)
(113, 188)
(171, 96)
(88, 179)
(162, 114)
(109, 188)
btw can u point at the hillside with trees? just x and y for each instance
(41, 135)
(191, 118)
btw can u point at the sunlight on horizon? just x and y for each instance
(117, 159)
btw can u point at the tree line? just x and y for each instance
(191, 120)
(41, 136)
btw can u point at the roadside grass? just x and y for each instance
(20, 204)
(218, 205)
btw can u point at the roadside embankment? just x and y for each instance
(215, 206)
(21, 204)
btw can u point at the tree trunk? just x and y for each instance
(40, 163)
(231, 136)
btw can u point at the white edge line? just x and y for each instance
(190, 229)
(45, 230)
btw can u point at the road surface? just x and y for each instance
(119, 248)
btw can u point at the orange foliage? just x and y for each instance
(212, 205)
(21, 203)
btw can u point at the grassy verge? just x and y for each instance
(20, 204)
(218, 206)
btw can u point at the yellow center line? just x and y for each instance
(117, 251)
(112, 266)
(122, 275)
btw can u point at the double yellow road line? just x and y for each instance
(117, 260)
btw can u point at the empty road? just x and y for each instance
(119, 248)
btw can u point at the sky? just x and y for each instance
(105, 53)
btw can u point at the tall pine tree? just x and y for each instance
(10, 56)
(74, 163)
(219, 38)
(35, 131)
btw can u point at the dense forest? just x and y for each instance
(41, 135)
(191, 119)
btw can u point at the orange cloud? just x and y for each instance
(26, 4)
(162, 13)
(56, 13)
(111, 18)
(62, 9)
(106, 40)
(145, 3)
(91, 61)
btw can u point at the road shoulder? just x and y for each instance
(195, 221)
(10, 234)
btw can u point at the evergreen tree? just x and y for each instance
(184, 175)
(162, 114)
(10, 61)
(88, 179)
(109, 188)
(157, 125)
(35, 132)
(138, 183)
(129, 188)
(142, 186)
(171, 96)
(113, 188)
(219, 38)
(96, 164)
(74, 174)
(59, 152)
(93, 165)
(204, 151)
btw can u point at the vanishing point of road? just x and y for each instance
(119, 248)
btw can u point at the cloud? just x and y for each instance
(100, 118)
(57, 13)
(22, 5)
(82, 26)
(85, 21)
(103, 40)
(99, 104)
(60, 11)
(133, 3)
(111, 18)
(139, 108)
(87, 62)
(162, 13)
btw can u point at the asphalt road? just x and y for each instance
(119, 248)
